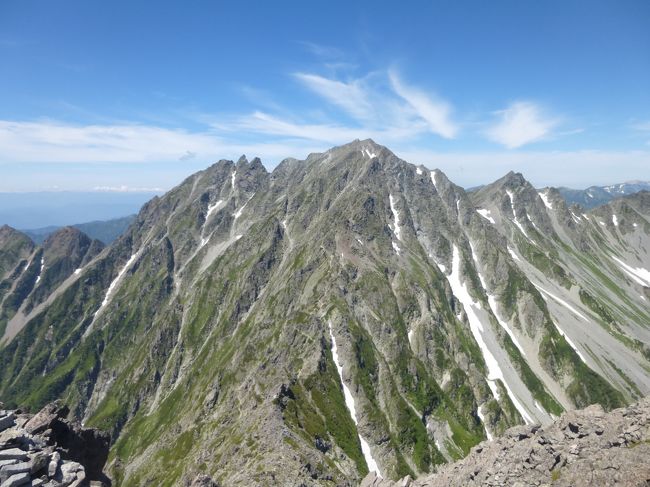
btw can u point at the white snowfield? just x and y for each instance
(433, 179)
(545, 199)
(490, 349)
(369, 154)
(639, 274)
(486, 214)
(349, 402)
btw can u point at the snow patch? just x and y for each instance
(639, 274)
(396, 248)
(349, 402)
(433, 179)
(513, 254)
(615, 220)
(368, 154)
(418, 171)
(212, 208)
(111, 287)
(493, 304)
(77, 271)
(481, 416)
(486, 214)
(568, 340)
(545, 199)
(410, 335)
(494, 369)
(562, 302)
(40, 272)
(397, 230)
(232, 179)
(238, 213)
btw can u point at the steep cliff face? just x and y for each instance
(343, 313)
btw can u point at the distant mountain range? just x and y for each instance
(346, 313)
(105, 231)
(599, 195)
(60, 208)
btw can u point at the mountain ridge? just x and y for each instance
(206, 331)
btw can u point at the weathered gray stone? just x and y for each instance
(17, 480)
(7, 421)
(13, 454)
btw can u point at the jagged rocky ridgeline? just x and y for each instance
(343, 313)
(48, 450)
(583, 448)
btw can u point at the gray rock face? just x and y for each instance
(32, 449)
(583, 447)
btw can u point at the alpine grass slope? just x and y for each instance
(345, 312)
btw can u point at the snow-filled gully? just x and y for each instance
(495, 372)
(349, 402)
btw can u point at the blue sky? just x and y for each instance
(137, 95)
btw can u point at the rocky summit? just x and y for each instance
(584, 447)
(343, 314)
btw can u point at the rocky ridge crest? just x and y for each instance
(582, 447)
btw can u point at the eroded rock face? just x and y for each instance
(585, 447)
(46, 449)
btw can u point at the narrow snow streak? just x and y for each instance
(212, 208)
(410, 335)
(433, 179)
(486, 214)
(557, 327)
(349, 402)
(494, 369)
(514, 214)
(493, 304)
(513, 254)
(481, 416)
(545, 199)
(241, 210)
(639, 274)
(562, 302)
(397, 230)
(111, 287)
(615, 220)
(232, 179)
(396, 248)
(40, 272)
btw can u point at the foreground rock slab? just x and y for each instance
(48, 450)
(585, 447)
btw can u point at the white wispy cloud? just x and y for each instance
(521, 123)
(352, 96)
(435, 111)
(51, 141)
